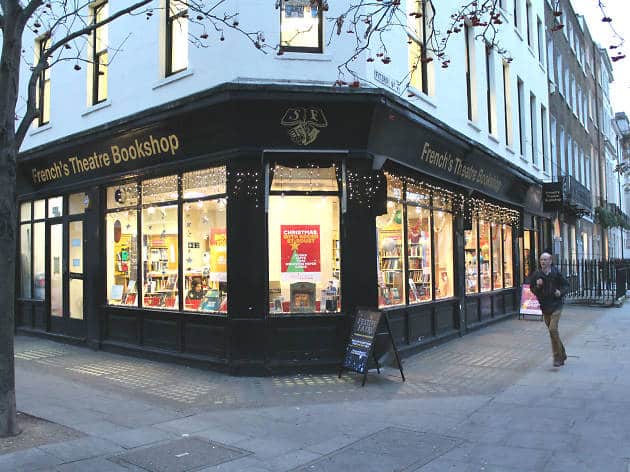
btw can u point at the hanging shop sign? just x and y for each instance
(552, 196)
(300, 252)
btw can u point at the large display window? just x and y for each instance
(304, 248)
(190, 207)
(32, 264)
(488, 253)
(415, 243)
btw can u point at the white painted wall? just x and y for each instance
(135, 81)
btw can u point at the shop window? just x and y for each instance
(391, 281)
(25, 259)
(56, 272)
(471, 259)
(76, 203)
(426, 272)
(508, 261)
(176, 36)
(153, 258)
(25, 211)
(443, 244)
(304, 179)
(121, 230)
(205, 255)
(304, 247)
(301, 26)
(122, 196)
(55, 207)
(39, 209)
(160, 248)
(497, 266)
(39, 261)
(485, 277)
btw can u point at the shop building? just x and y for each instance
(331, 200)
(236, 216)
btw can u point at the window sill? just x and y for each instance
(535, 167)
(531, 51)
(509, 149)
(518, 33)
(494, 138)
(97, 107)
(303, 56)
(422, 96)
(40, 129)
(542, 67)
(523, 158)
(172, 78)
(474, 126)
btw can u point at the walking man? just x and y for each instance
(549, 286)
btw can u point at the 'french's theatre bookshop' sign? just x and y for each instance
(447, 162)
(116, 154)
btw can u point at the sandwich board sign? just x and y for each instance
(361, 342)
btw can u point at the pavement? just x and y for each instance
(489, 401)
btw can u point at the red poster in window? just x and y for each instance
(300, 252)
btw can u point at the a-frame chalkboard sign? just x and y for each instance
(361, 343)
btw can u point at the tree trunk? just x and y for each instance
(9, 79)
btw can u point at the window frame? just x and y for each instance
(420, 41)
(43, 82)
(320, 33)
(97, 54)
(171, 21)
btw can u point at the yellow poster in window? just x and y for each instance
(218, 255)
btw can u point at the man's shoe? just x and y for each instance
(557, 363)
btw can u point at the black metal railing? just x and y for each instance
(576, 194)
(597, 282)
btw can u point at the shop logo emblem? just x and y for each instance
(304, 124)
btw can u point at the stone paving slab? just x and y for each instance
(391, 449)
(181, 455)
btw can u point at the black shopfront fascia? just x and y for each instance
(235, 126)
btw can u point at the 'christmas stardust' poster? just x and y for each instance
(300, 252)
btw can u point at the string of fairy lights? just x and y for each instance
(363, 188)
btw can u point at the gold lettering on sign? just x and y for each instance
(304, 124)
(116, 155)
(445, 161)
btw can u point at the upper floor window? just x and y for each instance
(176, 36)
(42, 97)
(301, 26)
(100, 59)
(419, 31)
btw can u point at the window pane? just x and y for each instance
(25, 260)
(497, 262)
(443, 243)
(159, 190)
(299, 24)
(484, 255)
(507, 256)
(55, 207)
(179, 32)
(102, 65)
(303, 232)
(39, 261)
(395, 188)
(389, 230)
(205, 256)
(76, 299)
(56, 275)
(415, 194)
(203, 183)
(25, 211)
(160, 248)
(45, 118)
(39, 211)
(122, 195)
(419, 253)
(76, 203)
(472, 262)
(76, 246)
(122, 257)
(308, 179)
(415, 66)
